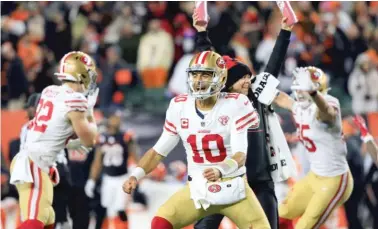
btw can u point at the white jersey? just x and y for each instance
(208, 139)
(50, 129)
(324, 143)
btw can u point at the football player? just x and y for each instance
(62, 112)
(258, 164)
(213, 127)
(318, 119)
(114, 149)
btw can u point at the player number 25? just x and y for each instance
(192, 140)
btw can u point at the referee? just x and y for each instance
(257, 163)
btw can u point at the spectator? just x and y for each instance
(129, 43)
(155, 56)
(362, 83)
(15, 77)
(112, 65)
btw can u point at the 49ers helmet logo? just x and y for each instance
(214, 188)
(316, 75)
(221, 63)
(86, 60)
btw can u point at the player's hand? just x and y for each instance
(92, 98)
(130, 185)
(199, 28)
(212, 174)
(75, 144)
(302, 76)
(285, 25)
(359, 121)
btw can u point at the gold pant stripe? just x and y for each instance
(333, 203)
(35, 192)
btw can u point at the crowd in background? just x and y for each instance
(142, 50)
(138, 46)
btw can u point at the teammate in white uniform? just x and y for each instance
(62, 112)
(213, 128)
(318, 119)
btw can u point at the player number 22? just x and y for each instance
(192, 140)
(307, 142)
(43, 114)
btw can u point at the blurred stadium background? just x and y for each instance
(142, 50)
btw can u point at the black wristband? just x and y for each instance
(312, 94)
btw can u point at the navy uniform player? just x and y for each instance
(114, 149)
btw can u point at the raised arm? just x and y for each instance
(203, 42)
(277, 57)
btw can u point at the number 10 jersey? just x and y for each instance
(207, 139)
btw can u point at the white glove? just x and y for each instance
(89, 188)
(303, 82)
(75, 144)
(92, 99)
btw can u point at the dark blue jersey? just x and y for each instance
(79, 165)
(114, 149)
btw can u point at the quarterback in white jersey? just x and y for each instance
(62, 112)
(319, 125)
(213, 128)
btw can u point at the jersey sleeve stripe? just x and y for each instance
(81, 108)
(245, 117)
(76, 101)
(170, 124)
(169, 130)
(253, 121)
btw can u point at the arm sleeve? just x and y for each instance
(333, 103)
(247, 117)
(166, 143)
(76, 102)
(203, 42)
(279, 52)
(169, 138)
(239, 141)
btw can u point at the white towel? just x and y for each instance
(21, 172)
(198, 191)
(265, 88)
(281, 161)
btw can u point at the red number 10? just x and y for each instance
(192, 140)
(43, 114)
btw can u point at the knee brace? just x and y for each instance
(31, 224)
(160, 223)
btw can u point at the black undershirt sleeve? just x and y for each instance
(203, 42)
(279, 52)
